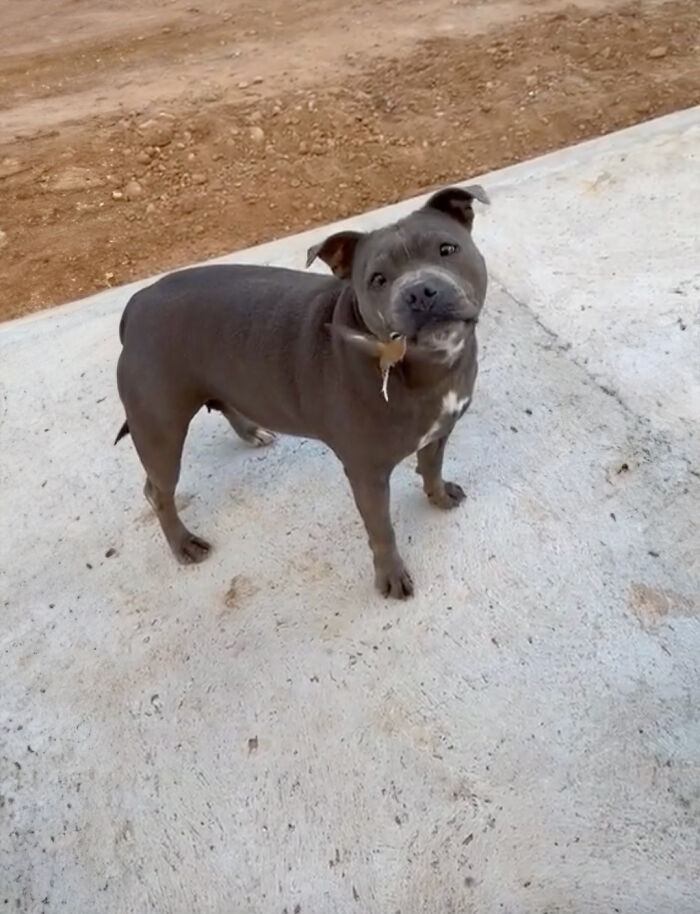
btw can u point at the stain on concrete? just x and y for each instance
(240, 588)
(652, 606)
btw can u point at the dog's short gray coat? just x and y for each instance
(299, 353)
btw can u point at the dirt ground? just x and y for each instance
(137, 138)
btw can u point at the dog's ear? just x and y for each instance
(456, 202)
(337, 251)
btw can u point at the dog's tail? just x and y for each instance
(123, 432)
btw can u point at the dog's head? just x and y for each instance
(419, 277)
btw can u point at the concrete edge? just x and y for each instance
(271, 252)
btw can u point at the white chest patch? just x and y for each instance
(452, 406)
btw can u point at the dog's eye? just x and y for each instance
(447, 248)
(377, 280)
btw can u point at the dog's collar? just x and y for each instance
(388, 353)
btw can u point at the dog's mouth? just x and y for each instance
(435, 332)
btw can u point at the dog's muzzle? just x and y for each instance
(424, 299)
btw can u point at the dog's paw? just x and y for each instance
(394, 581)
(261, 437)
(191, 549)
(450, 496)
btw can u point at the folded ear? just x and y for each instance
(456, 202)
(337, 251)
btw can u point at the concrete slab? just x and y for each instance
(263, 734)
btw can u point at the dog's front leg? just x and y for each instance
(443, 494)
(372, 496)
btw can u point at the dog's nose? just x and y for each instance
(421, 297)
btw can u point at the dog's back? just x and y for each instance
(252, 336)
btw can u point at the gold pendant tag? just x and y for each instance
(390, 354)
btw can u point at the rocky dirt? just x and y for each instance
(137, 141)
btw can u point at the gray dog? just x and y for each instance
(378, 361)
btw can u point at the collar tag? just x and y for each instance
(390, 354)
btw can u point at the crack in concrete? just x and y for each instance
(659, 438)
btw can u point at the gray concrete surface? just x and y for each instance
(262, 733)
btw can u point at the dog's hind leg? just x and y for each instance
(158, 440)
(245, 428)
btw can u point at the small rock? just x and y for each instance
(157, 131)
(199, 178)
(151, 208)
(74, 178)
(3, 238)
(188, 203)
(199, 230)
(143, 157)
(257, 80)
(243, 84)
(133, 190)
(257, 134)
(110, 552)
(117, 195)
(659, 51)
(530, 80)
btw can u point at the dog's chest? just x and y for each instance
(445, 412)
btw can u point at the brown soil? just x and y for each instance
(133, 142)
